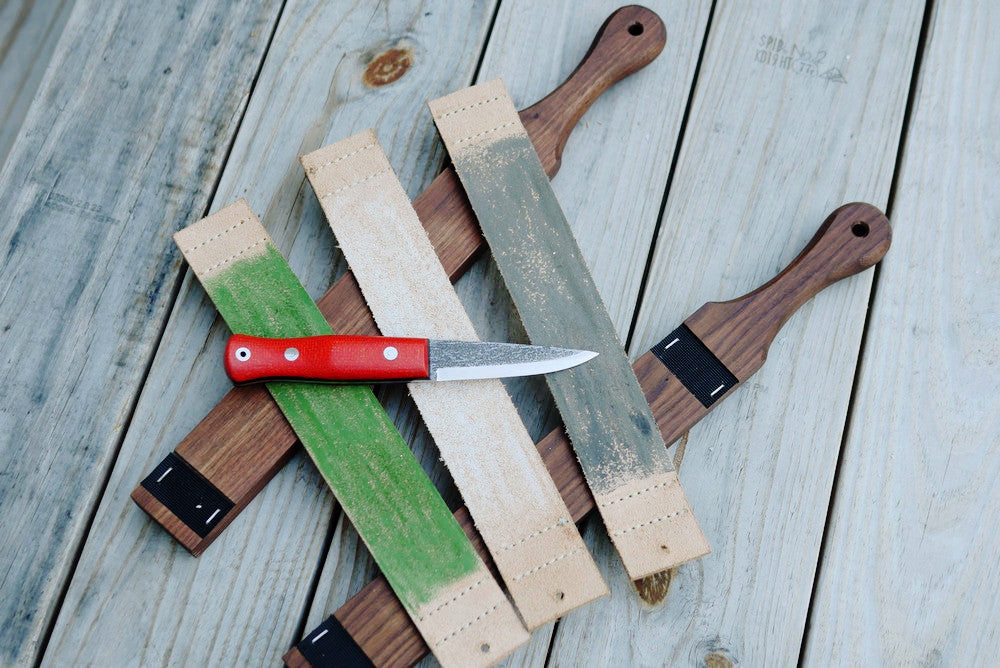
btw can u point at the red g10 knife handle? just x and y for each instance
(344, 359)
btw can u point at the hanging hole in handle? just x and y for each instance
(560, 596)
(860, 229)
(484, 648)
(635, 29)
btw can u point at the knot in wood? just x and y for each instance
(388, 66)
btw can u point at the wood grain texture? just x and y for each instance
(372, 616)
(517, 510)
(259, 577)
(104, 161)
(771, 147)
(604, 412)
(29, 31)
(433, 569)
(613, 217)
(909, 568)
(219, 451)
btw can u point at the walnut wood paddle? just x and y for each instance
(240, 445)
(716, 349)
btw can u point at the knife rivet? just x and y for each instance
(390, 353)
(291, 354)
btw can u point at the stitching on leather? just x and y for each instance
(642, 491)
(547, 564)
(316, 168)
(470, 106)
(652, 521)
(464, 626)
(561, 523)
(485, 132)
(213, 238)
(453, 599)
(233, 257)
(351, 185)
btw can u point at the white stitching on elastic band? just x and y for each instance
(464, 626)
(652, 521)
(316, 168)
(233, 257)
(486, 132)
(642, 491)
(470, 106)
(213, 238)
(453, 599)
(351, 185)
(561, 523)
(547, 564)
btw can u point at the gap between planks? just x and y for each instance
(175, 289)
(863, 347)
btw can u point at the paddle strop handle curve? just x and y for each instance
(631, 38)
(852, 238)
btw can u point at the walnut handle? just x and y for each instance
(853, 238)
(631, 38)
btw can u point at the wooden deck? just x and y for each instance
(850, 490)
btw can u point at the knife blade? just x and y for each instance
(373, 359)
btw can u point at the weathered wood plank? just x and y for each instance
(909, 569)
(242, 601)
(29, 31)
(108, 157)
(775, 140)
(535, 47)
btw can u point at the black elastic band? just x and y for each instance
(329, 645)
(695, 366)
(187, 494)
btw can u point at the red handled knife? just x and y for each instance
(373, 359)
